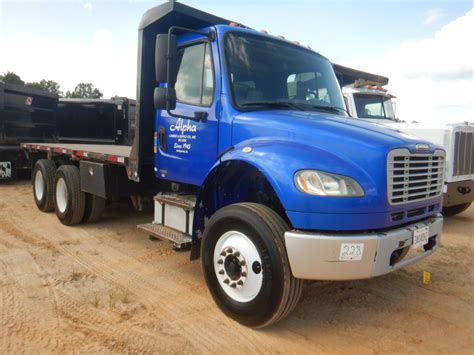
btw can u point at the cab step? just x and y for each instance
(179, 239)
(186, 202)
(175, 211)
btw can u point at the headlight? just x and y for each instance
(319, 183)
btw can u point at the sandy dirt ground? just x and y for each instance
(105, 287)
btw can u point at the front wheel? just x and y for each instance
(454, 210)
(246, 266)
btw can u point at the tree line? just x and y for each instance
(81, 91)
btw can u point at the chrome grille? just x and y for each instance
(414, 177)
(463, 154)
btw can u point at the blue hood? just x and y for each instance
(319, 130)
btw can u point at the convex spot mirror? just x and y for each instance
(164, 98)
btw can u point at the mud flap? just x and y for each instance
(5, 170)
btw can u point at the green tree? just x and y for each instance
(11, 78)
(84, 91)
(49, 85)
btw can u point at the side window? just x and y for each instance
(195, 80)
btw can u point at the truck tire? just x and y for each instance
(95, 206)
(42, 179)
(454, 210)
(69, 200)
(246, 266)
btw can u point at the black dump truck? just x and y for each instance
(96, 121)
(26, 114)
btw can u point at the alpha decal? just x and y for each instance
(182, 135)
(182, 127)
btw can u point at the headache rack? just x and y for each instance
(414, 177)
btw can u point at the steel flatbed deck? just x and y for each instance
(118, 154)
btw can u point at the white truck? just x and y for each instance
(367, 99)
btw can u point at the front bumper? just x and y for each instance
(458, 193)
(316, 256)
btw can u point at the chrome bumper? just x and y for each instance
(317, 256)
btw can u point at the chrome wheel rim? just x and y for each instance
(238, 266)
(39, 185)
(61, 195)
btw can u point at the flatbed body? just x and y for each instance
(118, 154)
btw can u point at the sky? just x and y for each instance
(424, 47)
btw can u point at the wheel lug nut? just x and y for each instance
(221, 272)
(233, 285)
(240, 282)
(242, 263)
(229, 250)
(223, 253)
(236, 254)
(226, 281)
(220, 261)
(243, 274)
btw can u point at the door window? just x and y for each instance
(195, 80)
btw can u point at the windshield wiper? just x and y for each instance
(275, 104)
(330, 108)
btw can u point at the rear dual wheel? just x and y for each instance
(60, 190)
(246, 266)
(43, 184)
(69, 200)
(95, 206)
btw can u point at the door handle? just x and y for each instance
(162, 138)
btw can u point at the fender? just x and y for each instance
(278, 161)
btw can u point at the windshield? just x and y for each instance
(374, 106)
(264, 72)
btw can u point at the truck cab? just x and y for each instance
(367, 99)
(254, 127)
(244, 140)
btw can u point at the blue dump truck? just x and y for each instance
(243, 143)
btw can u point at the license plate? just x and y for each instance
(5, 170)
(420, 237)
(351, 251)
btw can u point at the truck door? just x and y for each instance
(187, 149)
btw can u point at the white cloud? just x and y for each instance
(110, 67)
(102, 36)
(432, 16)
(88, 5)
(433, 77)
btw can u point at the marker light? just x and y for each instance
(315, 182)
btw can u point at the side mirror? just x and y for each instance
(164, 98)
(163, 43)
